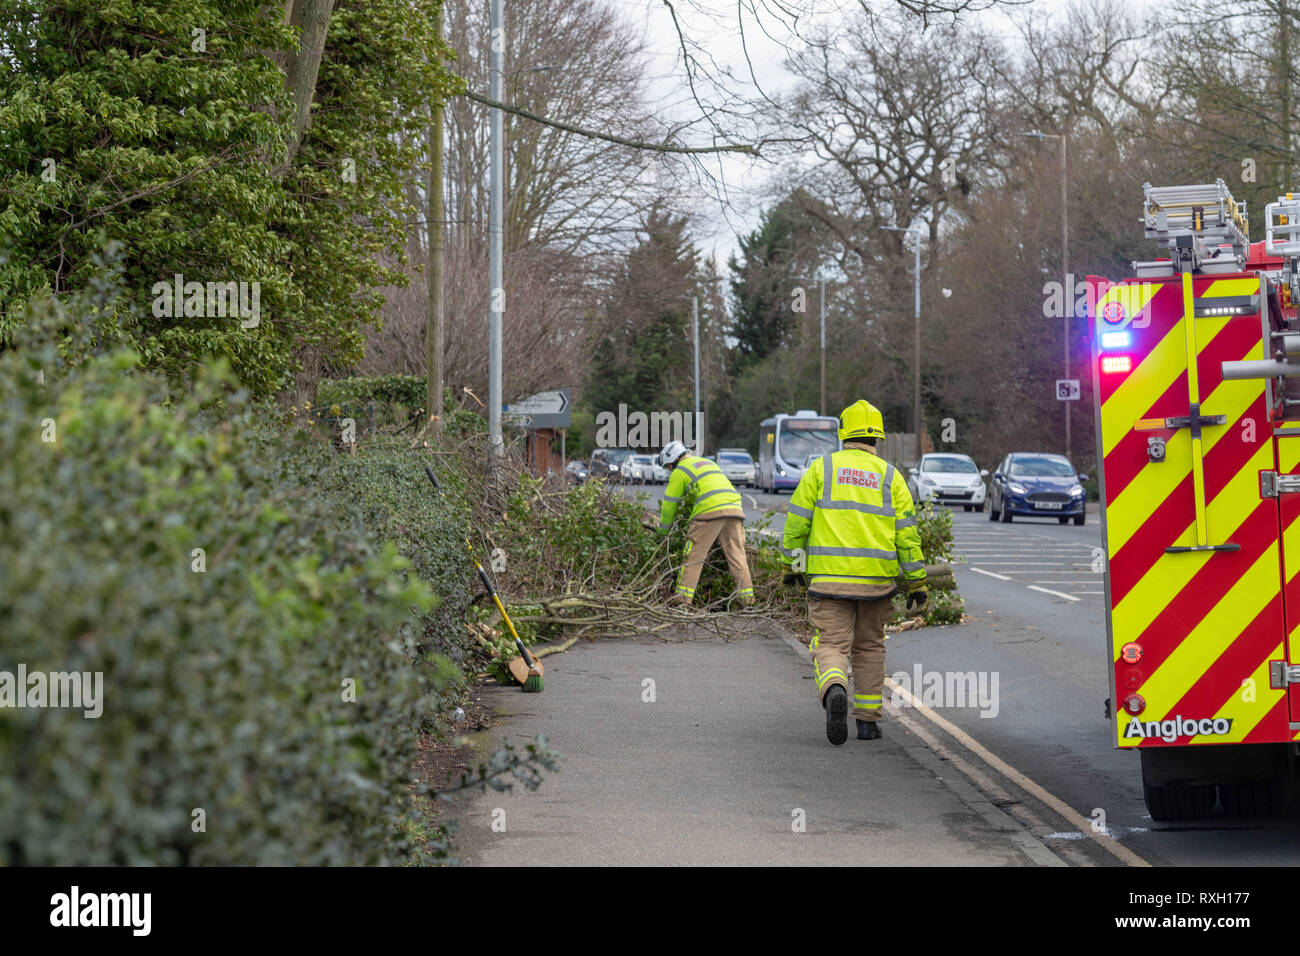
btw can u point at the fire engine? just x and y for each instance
(1198, 429)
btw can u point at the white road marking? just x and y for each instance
(1104, 839)
(1061, 594)
(991, 574)
(752, 503)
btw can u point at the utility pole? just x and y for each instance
(1068, 287)
(823, 309)
(435, 333)
(916, 355)
(496, 226)
(1284, 58)
(695, 326)
(1069, 291)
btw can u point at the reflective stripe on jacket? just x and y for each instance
(854, 519)
(700, 484)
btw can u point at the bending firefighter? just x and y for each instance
(716, 515)
(852, 525)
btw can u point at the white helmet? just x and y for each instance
(672, 451)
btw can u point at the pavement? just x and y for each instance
(708, 752)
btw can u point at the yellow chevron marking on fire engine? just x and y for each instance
(1149, 380)
(1213, 634)
(1290, 550)
(1156, 481)
(1288, 453)
(1230, 287)
(1247, 715)
(1170, 573)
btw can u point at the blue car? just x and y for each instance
(1037, 484)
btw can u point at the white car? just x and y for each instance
(949, 479)
(641, 469)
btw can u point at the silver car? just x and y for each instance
(738, 465)
(642, 468)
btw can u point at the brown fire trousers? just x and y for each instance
(844, 628)
(727, 531)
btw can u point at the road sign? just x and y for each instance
(553, 409)
(1067, 389)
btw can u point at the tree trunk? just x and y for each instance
(312, 18)
(436, 333)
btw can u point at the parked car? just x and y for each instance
(738, 465)
(610, 464)
(576, 471)
(948, 479)
(1039, 484)
(641, 469)
(660, 473)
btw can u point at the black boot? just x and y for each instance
(837, 713)
(868, 730)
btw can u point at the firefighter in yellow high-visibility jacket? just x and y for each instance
(716, 515)
(851, 525)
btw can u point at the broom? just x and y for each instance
(532, 679)
(529, 671)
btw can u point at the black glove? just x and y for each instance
(791, 580)
(917, 598)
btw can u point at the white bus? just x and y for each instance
(787, 442)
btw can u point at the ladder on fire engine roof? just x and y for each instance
(1202, 228)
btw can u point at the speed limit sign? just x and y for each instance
(1067, 389)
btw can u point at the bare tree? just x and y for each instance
(572, 202)
(898, 133)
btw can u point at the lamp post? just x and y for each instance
(695, 334)
(916, 357)
(1067, 292)
(821, 282)
(496, 217)
(496, 222)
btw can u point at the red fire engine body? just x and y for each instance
(1198, 430)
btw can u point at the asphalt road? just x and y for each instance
(1049, 651)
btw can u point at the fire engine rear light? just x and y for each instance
(1135, 703)
(1116, 363)
(1131, 653)
(1115, 340)
(1225, 305)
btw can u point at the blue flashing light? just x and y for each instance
(1115, 340)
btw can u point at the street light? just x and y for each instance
(821, 281)
(695, 336)
(916, 359)
(496, 222)
(1067, 293)
(496, 218)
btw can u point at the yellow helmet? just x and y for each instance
(862, 420)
